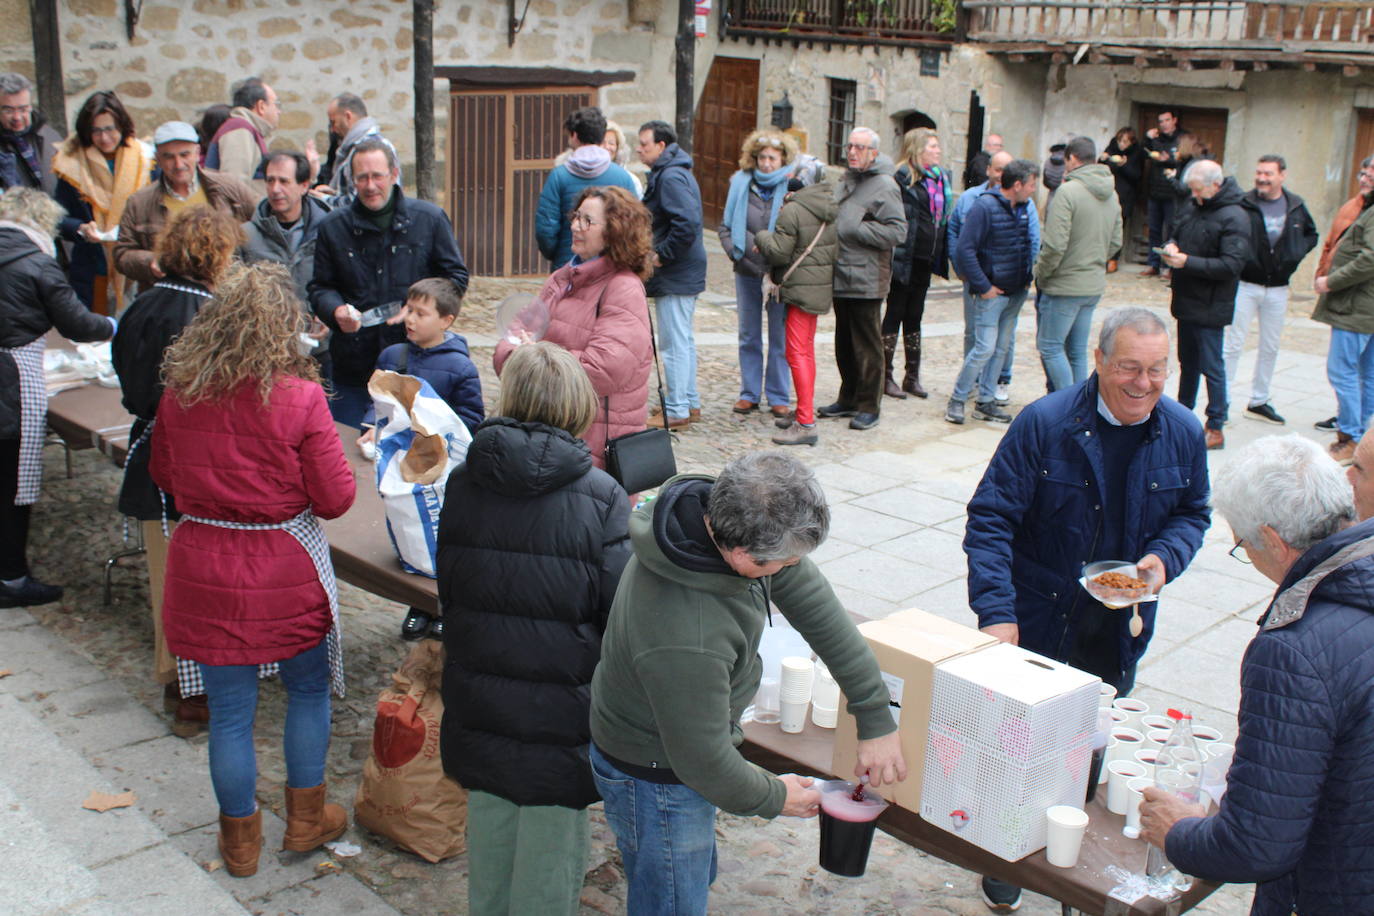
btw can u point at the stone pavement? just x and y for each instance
(82, 714)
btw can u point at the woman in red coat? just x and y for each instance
(598, 312)
(244, 442)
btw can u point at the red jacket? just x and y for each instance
(246, 597)
(614, 348)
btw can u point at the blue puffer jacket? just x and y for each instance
(1298, 815)
(674, 200)
(995, 245)
(449, 370)
(1034, 518)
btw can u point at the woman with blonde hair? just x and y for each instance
(532, 541)
(619, 148)
(927, 199)
(245, 440)
(752, 204)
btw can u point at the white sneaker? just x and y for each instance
(1003, 394)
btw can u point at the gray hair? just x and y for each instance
(1287, 483)
(1203, 172)
(377, 144)
(770, 504)
(874, 141)
(13, 83)
(31, 207)
(1366, 162)
(1143, 321)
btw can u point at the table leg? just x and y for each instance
(114, 559)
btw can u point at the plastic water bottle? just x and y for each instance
(1178, 769)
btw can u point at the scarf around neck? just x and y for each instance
(935, 189)
(737, 202)
(87, 170)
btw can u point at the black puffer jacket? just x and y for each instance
(1215, 235)
(925, 239)
(34, 297)
(532, 541)
(1274, 266)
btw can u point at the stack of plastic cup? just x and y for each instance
(825, 698)
(794, 691)
(766, 710)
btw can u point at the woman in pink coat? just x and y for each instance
(598, 312)
(244, 442)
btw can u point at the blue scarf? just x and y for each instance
(737, 202)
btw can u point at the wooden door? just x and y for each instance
(1208, 123)
(727, 112)
(1364, 145)
(502, 144)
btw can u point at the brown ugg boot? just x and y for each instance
(240, 841)
(310, 822)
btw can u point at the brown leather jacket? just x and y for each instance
(144, 216)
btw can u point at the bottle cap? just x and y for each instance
(1131, 833)
(1175, 714)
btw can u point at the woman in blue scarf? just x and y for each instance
(927, 199)
(756, 193)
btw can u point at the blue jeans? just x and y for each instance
(348, 404)
(970, 301)
(1062, 337)
(1161, 216)
(232, 692)
(776, 383)
(678, 348)
(667, 839)
(994, 326)
(1350, 369)
(1200, 354)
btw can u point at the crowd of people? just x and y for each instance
(600, 652)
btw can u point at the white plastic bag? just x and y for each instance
(420, 440)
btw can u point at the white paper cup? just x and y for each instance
(794, 715)
(1133, 708)
(766, 709)
(1118, 717)
(1157, 737)
(1105, 695)
(795, 682)
(1122, 772)
(1128, 741)
(1152, 721)
(1206, 734)
(1146, 758)
(824, 717)
(1064, 835)
(824, 691)
(1219, 749)
(1135, 794)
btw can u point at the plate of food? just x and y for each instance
(1116, 583)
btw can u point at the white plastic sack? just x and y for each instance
(420, 440)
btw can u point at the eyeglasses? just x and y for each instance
(1238, 553)
(578, 219)
(104, 130)
(1133, 370)
(15, 109)
(859, 146)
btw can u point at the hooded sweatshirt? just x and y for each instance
(587, 166)
(679, 660)
(1082, 230)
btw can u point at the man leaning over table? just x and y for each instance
(679, 662)
(1108, 469)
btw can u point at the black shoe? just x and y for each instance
(988, 410)
(436, 629)
(1000, 896)
(1264, 412)
(864, 421)
(416, 625)
(29, 593)
(835, 410)
(1326, 426)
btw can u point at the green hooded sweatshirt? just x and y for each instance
(679, 660)
(1082, 230)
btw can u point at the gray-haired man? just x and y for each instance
(679, 662)
(27, 143)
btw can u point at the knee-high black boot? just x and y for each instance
(911, 382)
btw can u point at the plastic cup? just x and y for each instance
(1219, 749)
(766, 708)
(1133, 708)
(1118, 717)
(1105, 695)
(1157, 737)
(1215, 769)
(1064, 835)
(1128, 741)
(793, 715)
(847, 827)
(797, 675)
(1147, 758)
(823, 717)
(1135, 794)
(1206, 734)
(1121, 772)
(1152, 722)
(824, 691)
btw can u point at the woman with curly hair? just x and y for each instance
(752, 204)
(598, 310)
(98, 167)
(194, 250)
(245, 440)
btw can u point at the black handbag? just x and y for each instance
(641, 460)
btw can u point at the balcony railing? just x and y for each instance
(846, 20)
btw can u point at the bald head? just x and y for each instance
(1361, 475)
(996, 164)
(993, 143)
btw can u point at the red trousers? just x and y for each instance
(801, 358)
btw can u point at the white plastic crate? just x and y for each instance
(1010, 735)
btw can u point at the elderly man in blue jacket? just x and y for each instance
(1297, 812)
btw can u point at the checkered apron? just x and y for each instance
(33, 418)
(305, 528)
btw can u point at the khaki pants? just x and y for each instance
(164, 663)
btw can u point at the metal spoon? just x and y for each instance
(1137, 625)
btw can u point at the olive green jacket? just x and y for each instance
(810, 287)
(1350, 303)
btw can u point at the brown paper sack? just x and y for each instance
(427, 456)
(405, 794)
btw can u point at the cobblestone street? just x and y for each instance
(897, 492)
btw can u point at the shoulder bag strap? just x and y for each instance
(797, 262)
(653, 342)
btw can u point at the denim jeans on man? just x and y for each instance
(994, 326)
(1350, 369)
(677, 346)
(1199, 354)
(232, 693)
(1270, 303)
(1061, 336)
(970, 305)
(666, 834)
(749, 303)
(1160, 214)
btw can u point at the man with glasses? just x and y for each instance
(27, 143)
(1108, 469)
(239, 147)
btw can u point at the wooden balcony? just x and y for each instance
(1202, 33)
(884, 22)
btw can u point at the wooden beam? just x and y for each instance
(47, 63)
(422, 41)
(683, 67)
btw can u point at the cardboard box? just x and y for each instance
(908, 644)
(1010, 735)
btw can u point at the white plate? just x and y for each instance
(1116, 606)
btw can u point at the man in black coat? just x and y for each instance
(366, 256)
(1281, 234)
(1161, 145)
(1206, 252)
(27, 143)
